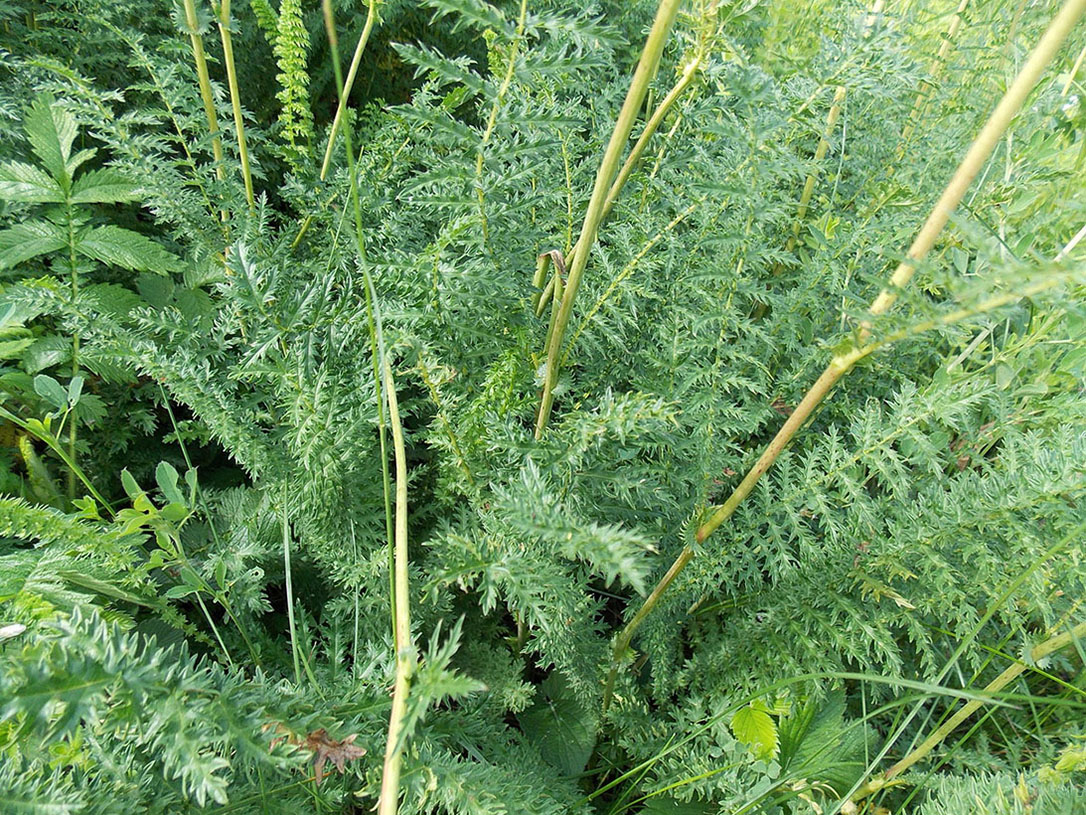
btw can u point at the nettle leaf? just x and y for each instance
(27, 240)
(105, 186)
(51, 131)
(127, 249)
(46, 352)
(756, 729)
(560, 726)
(27, 184)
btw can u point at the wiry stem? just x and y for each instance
(1039, 652)
(819, 156)
(646, 70)
(975, 158)
(235, 99)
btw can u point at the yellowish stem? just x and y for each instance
(978, 153)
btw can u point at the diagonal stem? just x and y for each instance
(646, 70)
(842, 363)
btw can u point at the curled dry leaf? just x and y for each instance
(326, 749)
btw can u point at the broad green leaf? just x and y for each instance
(127, 249)
(756, 729)
(51, 131)
(46, 352)
(28, 184)
(28, 240)
(51, 391)
(166, 477)
(105, 186)
(562, 729)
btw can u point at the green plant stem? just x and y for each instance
(492, 120)
(73, 433)
(54, 444)
(373, 314)
(235, 99)
(200, 58)
(819, 156)
(646, 70)
(974, 160)
(405, 654)
(345, 93)
(1039, 652)
(285, 522)
(927, 85)
(685, 81)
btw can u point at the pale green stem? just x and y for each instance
(235, 99)
(1038, 653)
(345, 94)
(405, 654)
(646, 70)
(290, 594)
(974, 160)
(373, 315)
(200, 58)
(926, 86)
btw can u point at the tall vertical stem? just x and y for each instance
(974, 160)
(405, 654)
(646, 70)
(200, 58)
(235, 99)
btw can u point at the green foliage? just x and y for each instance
(212, 624)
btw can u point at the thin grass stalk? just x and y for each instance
(405, 655)
(235, 99)
(1074, 72)
(345, 94)
(1038, 653)
(373, 314)
(341, 108)
(974, 160)
(927, 85)
(200, 58)
(646, 70)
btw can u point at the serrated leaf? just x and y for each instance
(756, 729)
(46, 352)
(28, 184)
(50, 390)
(560, 727)
(129, 250)
(105, 186)
(28, 240)
(51, 131)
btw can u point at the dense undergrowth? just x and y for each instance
(541, 429)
